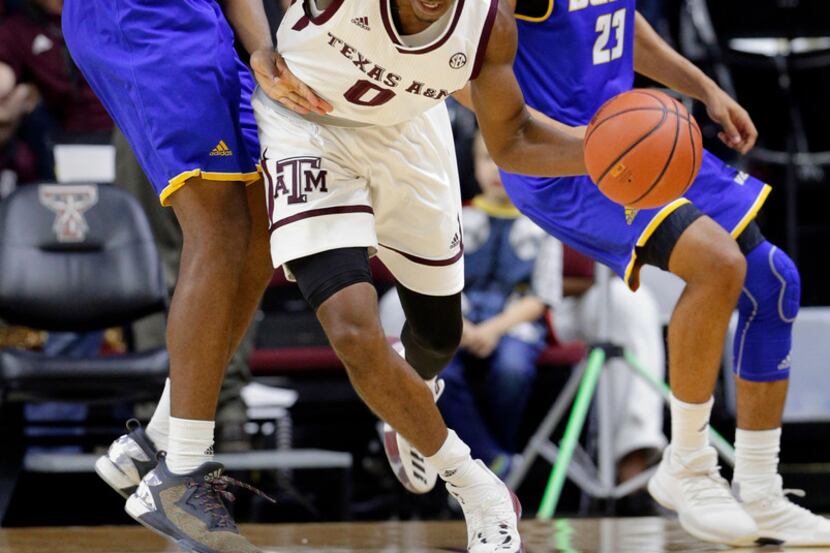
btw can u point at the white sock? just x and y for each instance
(191, 444)
(756, 460)
(158, 430)
(453, 462)
(689, 426)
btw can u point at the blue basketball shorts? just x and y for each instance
(168, 73)
(574, 210)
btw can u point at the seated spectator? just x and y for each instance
(634, 323)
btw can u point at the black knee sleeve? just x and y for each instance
(432, 330)
(323, 274)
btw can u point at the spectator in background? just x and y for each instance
(33, 54)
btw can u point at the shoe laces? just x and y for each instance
(776, 496)
(708, 487)
(488, 519)
(210, 491)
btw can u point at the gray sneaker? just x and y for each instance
(188, 509)
(128, 460)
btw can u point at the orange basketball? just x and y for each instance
(643, 149)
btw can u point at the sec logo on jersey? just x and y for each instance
(459, 60)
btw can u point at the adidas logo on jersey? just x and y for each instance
(221, 149)
(630, 214)
(362, 22)
(741, 178)
(456, 240)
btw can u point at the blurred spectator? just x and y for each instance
(634, 323)
(32, 51)
(33, 54)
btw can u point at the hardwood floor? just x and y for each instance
(640, 535)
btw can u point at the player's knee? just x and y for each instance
(441, 339)
(723, 268)
(357, 339)
(772, 289)
(767, 309)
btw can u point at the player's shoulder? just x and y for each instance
(504, 39)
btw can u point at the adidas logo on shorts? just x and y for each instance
(456, 241)
(221, 149)
(362, 22)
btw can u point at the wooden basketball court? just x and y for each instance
(632, 535)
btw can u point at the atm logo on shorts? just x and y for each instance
(296, 178)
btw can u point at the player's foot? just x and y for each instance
(492, 513)
(128, 460)
(188, 509)
(407, 463)
(781, 520)
(693, 487)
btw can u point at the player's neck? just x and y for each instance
(406, 21)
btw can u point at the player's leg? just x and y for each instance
(417, 214)
(429, 338)
(337, 284)
(202, 175)
(256, 270)
(767, 309)
(705, 256)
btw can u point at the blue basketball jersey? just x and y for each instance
(574, 55)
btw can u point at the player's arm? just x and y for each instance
(464, 98)
(251, 26)
(516, 141)
(655, 59)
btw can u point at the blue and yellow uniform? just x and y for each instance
(573, 56)
(169, 75)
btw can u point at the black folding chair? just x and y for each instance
(73, 258)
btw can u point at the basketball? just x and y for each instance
(643, 149)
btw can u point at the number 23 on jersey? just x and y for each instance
(607, 24)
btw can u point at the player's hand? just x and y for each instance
(274, 77)
(739, 131)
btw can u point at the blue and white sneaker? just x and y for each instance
(128, 460)
(189, 509)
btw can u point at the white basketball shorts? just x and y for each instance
(391, 189)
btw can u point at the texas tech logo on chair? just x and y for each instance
(69, 204)
(295, 178)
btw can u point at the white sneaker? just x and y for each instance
(780, 520)
(694, 488)
(492, 513)
(407, 463)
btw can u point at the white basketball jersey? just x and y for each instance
(351, 54)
